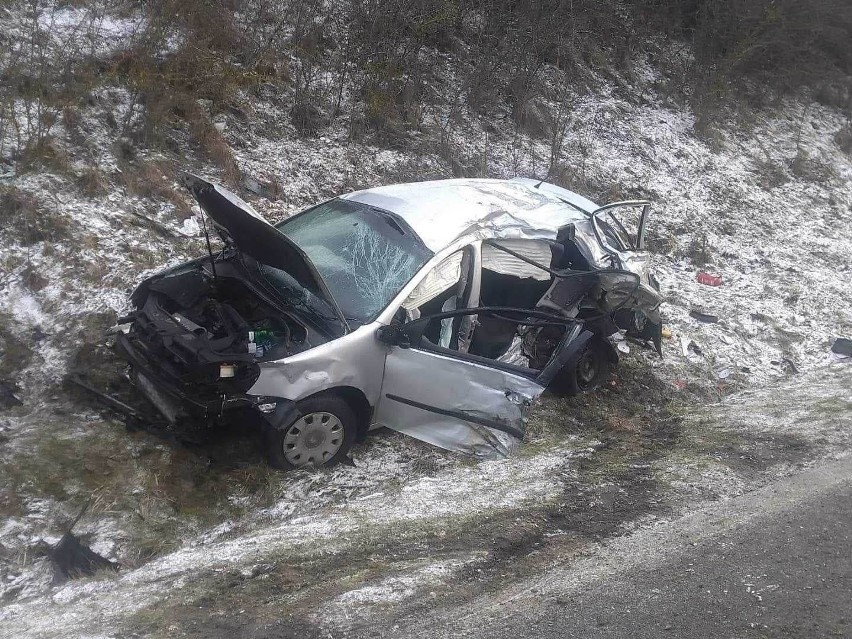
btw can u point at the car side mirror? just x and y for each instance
(393, 335)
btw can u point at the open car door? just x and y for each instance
(618, 234)
(622, 237)
(459, 401)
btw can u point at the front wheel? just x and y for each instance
(321, 434)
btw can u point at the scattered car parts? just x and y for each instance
(842, 347)
(439, 309)
(709, 280)
(703, 316)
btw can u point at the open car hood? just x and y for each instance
(250, 233)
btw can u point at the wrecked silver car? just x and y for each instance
(438, 309)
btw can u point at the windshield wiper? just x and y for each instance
(393, 223)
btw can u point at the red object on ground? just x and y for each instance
(709, 280)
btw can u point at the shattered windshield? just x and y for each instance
(364, 255)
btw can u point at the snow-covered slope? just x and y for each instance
(767, 207)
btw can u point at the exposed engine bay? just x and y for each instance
(204, 334)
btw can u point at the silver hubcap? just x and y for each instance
(313, 439)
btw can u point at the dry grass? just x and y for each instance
(26, 220)
(33, 280)
(811, 169)
(93, 182)
(155, 179)
(15, 352)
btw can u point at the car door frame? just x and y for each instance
(638, 243)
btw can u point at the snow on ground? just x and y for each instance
(462, 491)
(768, 207)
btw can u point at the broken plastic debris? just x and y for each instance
(843, 347)
(790, 364)
(8, 398)
(623, 347)
(725, 373)
(703, 316)
(709, 280)
(666, 332)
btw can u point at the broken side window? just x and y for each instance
(621, 225)
(444, 288)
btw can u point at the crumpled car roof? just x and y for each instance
(441, 211)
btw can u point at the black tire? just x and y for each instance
(278, 441)
(591, 369)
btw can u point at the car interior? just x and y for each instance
(506, 281)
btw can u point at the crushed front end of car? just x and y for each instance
(191, 340)
(200, 331)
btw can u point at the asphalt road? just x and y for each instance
(774, 563)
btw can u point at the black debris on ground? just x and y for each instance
(74, 559)
(703, 316)
(842, 346)
(8, 398)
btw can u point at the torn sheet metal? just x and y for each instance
(515, 353)
(464, 407)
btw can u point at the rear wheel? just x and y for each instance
(591, 369)
(321, 434)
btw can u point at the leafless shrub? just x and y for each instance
(43, 69)
(33, 280)
(71, 118)
(214, 146)
(15, 353)
(843, 138)
(93, 182)
(307, 117)
(147, 179)
(809, 168)
(699, 251)
(770, 174)
(833, 93)
(155, 180)
(375, 64)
